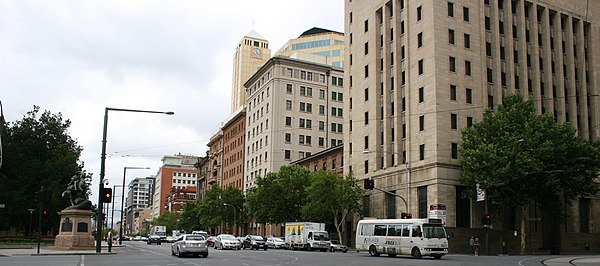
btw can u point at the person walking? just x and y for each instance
(471, 245)
(476, 246)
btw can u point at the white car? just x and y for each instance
(225, 241)
(190, 244)
(276, 243)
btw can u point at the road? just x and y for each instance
(139, 253)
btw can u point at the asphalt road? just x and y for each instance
(139, 253)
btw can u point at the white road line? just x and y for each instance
(82, 261)
(523, 260)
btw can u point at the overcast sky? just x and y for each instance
(78, 57)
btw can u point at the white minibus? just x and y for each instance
(414, 237)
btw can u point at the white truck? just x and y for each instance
(159, 230)
(307, 236)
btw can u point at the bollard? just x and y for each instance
(504, 248)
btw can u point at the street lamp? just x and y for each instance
(102, 167)
(123, 199)
(30, 217)
(234, 214)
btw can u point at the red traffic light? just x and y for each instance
(45, 212)
(409, 216)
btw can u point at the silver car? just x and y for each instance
(276, 243)
(225, 241)
(190, 244)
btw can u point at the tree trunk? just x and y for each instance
(523, 233)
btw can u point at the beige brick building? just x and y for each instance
(294, 109)
(419, 71)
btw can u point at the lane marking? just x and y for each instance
(82, 260)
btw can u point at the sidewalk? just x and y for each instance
(31, 250)
(572, 260)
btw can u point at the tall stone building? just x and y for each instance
(139, 197)
(317, 45)
(420, 71)
(251, 53)
(177, 172)
(294, 109)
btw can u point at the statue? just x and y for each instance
(77, 190)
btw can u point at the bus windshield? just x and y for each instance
(434, 231)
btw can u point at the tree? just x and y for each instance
(331, 198)
(279, 196)
(38, 151)
(189, 218)
(520, 157)
(210, 208)
(168, 219)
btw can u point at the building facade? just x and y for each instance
(215, 159)
(317, 45)
(203, 173)
(250, 54)
(179, 196)
(233, 150)
(331, 159)
(420, 71)
(294, 109)
(178, 172)
(139, 196)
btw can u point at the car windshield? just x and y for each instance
(323, 236)
(434, 231)
(335, 242)
(256, 237)
(228, 237)
(195, 237)
(277, 239)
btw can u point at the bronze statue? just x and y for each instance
(77, 190)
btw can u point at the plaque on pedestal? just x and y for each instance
(75, 230)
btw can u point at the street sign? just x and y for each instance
(438, 211)
(480, 193)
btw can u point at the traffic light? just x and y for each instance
(369, 183)
(107, 195)
(406, 215)
(486, 219)
(409, 216)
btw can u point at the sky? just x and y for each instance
(79, 57)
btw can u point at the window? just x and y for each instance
(488, 49)
(466, 14)
(287, 154)
(467, 41)
(584, 215)
(366, 94)
(366, 166)
(366, 71)
(366, 48)
(288, 137)
(453, 121)
(421, 67)
(463, 208)
(419, 13)
(301, 139)
(422, 152)
(321, 125)
(321, 109)
(288, 121)
(421, 122)
(366, 142)
(321, 94)
(468, 68)
(289, 89)
(469, 95)
(453, 92)
(420, 39)
(366, 118)
(450, 36)
(488, 23)
(454, 150)
(421, 95)
(288, 105)
(452, 64)
(366, 25)
(302, 107)
(321, 141)
(450, 9)
(469, 121)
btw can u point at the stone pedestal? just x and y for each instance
(75, 231)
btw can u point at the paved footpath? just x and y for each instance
(24, 250)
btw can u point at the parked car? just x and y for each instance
(170, 239)
(276, 243)
(137, 238)
(211, 241)
(153, 239)
(190, 244)
(226, 241)
(337, 246)
(254, 242)
(144, 239)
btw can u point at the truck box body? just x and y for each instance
(307, 235)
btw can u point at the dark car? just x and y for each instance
(254, 242)
(153, 239)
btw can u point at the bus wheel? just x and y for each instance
(373, 251)
(416, 253)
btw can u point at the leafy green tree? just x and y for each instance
(168, 219)
(38, 151)
(210, 208)
(235, 198)
(189, 219)
(520, 157)
(279, 197)
(331, 198)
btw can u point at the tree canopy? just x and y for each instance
(519, 157)
(38, 151)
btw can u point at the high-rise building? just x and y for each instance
(250, 54)
(316, 45)
(234, 140)
(294, 109)
(177, 172)
(420, 71)
(139, 196)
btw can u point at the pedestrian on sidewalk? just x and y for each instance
(476, 246)
(471, 245)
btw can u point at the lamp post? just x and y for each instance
(234, 214)
(102, 167)
(123, 199)
(30, 218)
